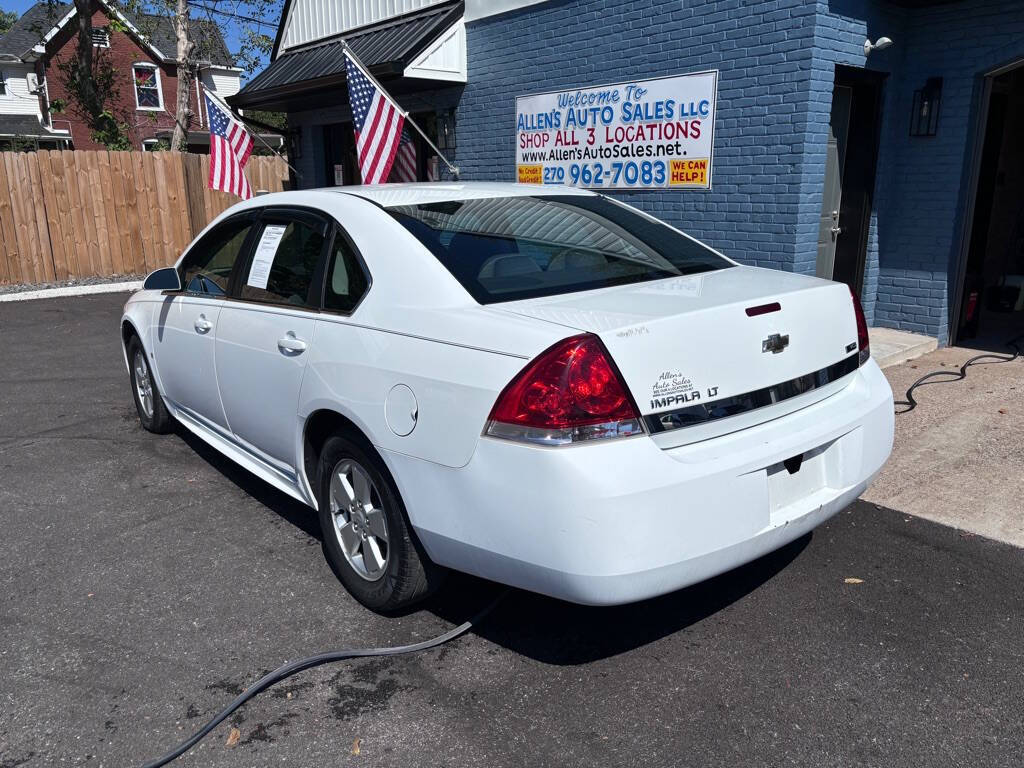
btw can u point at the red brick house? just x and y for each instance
(142, 54)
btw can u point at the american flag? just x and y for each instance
(377, 121)
(404, 168)
(230, 147)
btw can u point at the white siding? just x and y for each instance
(17, 100)
(310, 20)
(222, 82)
(445, 59)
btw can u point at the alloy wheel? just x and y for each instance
(143, 384)
(359, 521)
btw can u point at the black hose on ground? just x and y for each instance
(960, 374)
(291, 668)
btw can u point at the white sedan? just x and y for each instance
(540, 386)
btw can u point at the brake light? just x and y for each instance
(863, 342)
(571, 392)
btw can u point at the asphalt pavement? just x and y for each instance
(145, 581)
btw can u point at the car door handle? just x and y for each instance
(203, 325)
(290, 344)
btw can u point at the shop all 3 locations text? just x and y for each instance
(603, 137)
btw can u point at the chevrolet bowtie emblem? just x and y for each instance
(775, 343)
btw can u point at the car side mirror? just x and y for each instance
(165, 279)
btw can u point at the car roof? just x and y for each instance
(388, 195)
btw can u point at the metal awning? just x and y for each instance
(385, 49)
(28, 127)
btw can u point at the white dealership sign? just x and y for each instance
(646, 134)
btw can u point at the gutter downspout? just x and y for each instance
(44, 94)
(199, 98)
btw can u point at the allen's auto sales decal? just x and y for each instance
(647, 134)
(675, 389)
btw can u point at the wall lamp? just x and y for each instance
(924, 112)
(879, 45)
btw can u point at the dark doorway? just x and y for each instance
(341, 166)
(852, 155)
(992, 292)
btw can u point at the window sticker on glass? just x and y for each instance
(259, 272)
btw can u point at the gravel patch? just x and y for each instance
(78, 281)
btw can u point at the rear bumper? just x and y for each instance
(613, 523)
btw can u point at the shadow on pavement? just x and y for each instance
(292, 510)
(556, 632)
(542, 628)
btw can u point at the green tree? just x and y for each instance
(278, 120)
(7, 19)
(255, 21)
(90, 80)
(93, 86)
(148, 15)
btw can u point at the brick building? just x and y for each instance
(892, 164)
(142, 53)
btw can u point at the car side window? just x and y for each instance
(346, 279)
(284, 264)
(207, 267)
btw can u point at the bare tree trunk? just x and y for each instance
(83, 51)
(186, 72)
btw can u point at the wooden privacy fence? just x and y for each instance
(76, 214)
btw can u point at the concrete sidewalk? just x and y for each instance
(892, 347)
(959, 456)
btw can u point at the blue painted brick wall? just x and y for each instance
(762, 50)
(777, 62)
(840, 30)
(923, 184)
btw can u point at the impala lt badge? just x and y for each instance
(775, 343)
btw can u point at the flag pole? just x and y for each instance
(355, 60)
(453, 168)
(273, 151)
(257, 135)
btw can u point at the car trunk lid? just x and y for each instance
(698, 349)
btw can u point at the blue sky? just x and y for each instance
(230, 28)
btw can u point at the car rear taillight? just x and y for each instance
(863, 343)
(569, 393)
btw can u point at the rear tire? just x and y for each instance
(366, 536)
(153, 414)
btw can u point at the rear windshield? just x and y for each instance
(509, 248)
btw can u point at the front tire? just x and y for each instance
(366, 537)
(153, 414)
